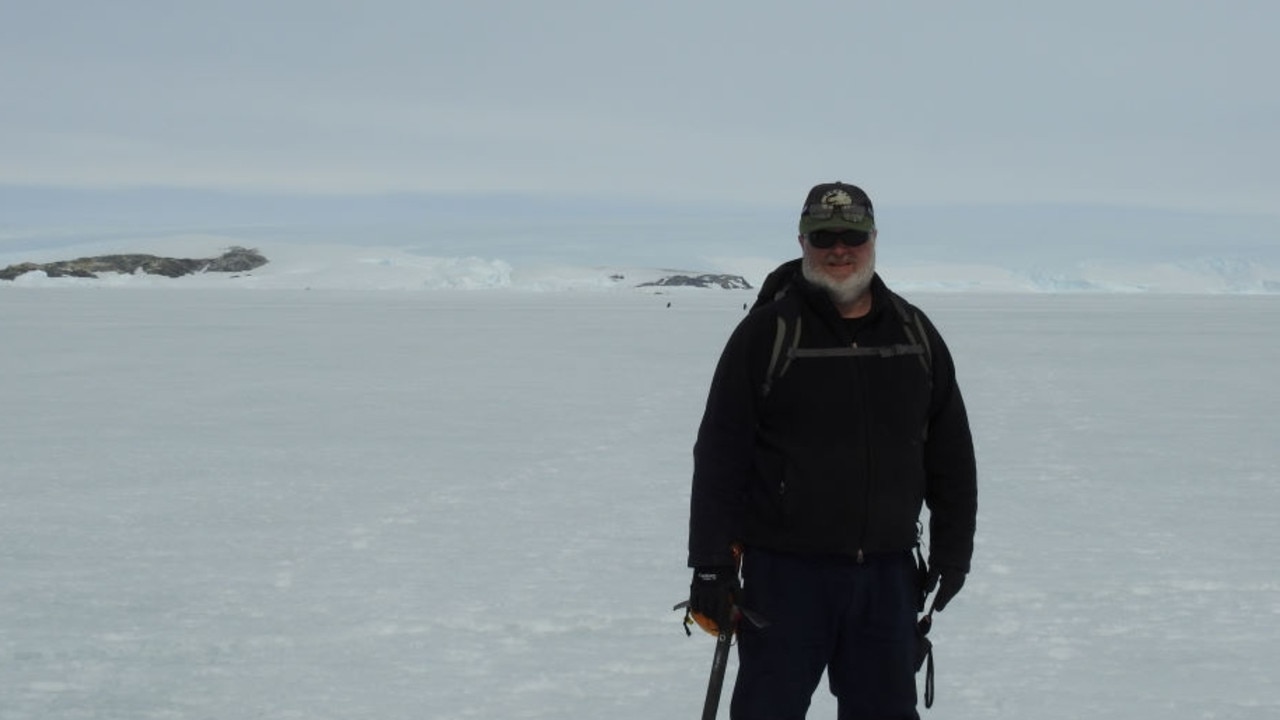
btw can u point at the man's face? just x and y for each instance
(840, 262)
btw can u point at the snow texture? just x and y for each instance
(338, 504)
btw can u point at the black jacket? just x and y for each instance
(839, 454)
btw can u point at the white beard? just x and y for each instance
(846, 291)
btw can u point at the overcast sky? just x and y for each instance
(1163, 103)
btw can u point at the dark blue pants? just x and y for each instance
(855, 620)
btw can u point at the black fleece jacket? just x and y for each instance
(842, 451)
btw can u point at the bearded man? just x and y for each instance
(833, 419)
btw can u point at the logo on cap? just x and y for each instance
(836, 198)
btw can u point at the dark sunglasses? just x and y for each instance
(852, 213)
(827, 239)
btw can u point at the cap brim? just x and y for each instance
(808, 224)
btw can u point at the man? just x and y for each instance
(833, 416)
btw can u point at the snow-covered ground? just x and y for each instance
(455, 504)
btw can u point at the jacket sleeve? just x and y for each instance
(723, 454)
(951, 490)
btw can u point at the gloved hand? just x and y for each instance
(713, 592)
(948, 580)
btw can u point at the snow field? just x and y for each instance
(333, 504)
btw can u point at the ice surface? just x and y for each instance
(451, 505)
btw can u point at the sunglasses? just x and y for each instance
(852, 213)
(827, 239)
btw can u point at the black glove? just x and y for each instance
(948, 580)
(713, 593)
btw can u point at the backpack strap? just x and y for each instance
(914, 329)
(883, 351)
(786, 342)
(779, 354)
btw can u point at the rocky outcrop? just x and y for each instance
(727, 282)
(235, 259)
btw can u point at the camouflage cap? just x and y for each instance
(837, 206)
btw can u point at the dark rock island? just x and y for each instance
(727, 282)
(235, 259)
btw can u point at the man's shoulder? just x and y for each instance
(767, 312)
(778, 284)
(757, 331)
